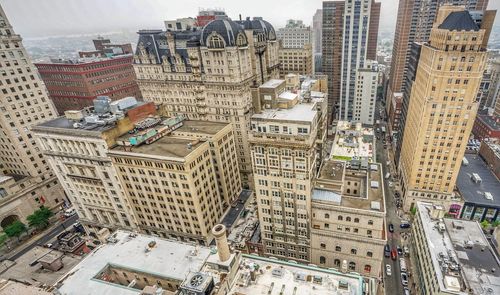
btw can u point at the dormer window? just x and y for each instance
(216, 42)
(241, 40)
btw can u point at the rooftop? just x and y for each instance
(11, 287)
(83, 60)
(352, 141)
(278, 277)
(201, 127)
(273, 83)
(460, 254)
(170, 259)
(483, 191)
(166, 146)
(489, 121)
(22, 271)
(459, 21)
(302, 112)
(330, 185)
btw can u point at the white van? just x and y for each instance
(70, 212)
(402, 265)
(387, 175)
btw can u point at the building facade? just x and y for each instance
(74, 84)
(295, 34)
(366, 93)
(208, 74)
(286, 138)
(349, 35)
(486, 126)
(298, 61)
(317, 31)
(26, 180)
(442, 107)
(104, 47)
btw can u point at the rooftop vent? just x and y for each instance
(475, 177)
(488, 196)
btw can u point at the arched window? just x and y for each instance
(370, 222)
(241, 40)
(336, 262)
(368, 268)
(322, 245)
(340, 217)
(322, 260)
(356, 220)
(352, 265)
(369, 254)
(216, 42)
(354, 251)
(327, 215)
(348, 218)
(338, 248)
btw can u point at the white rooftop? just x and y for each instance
(277, 277)
(170, 259)
(288, 95)
(4, 178)
(353, 140)
(302, 112)
(273, 83)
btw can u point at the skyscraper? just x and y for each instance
(414, 23)
(317, 40)
(296, 52)
(26, 181)
(442, 104)
(350, 32)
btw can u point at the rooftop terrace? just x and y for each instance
(200, 127)
(302, 112)
(167, 146)
(353, 141)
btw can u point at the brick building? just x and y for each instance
(73, 84)
(486, 127)
(104, 47)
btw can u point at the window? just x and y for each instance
(338, 248)
(370, 222)
(348, 219)
(354, 251)
(322, 245)
(356, 220)
(340, 217)
(368, 268)
(369, 254)
(322, 260)
(336, 262)
(216, 42)
(241, 40)
(327, 215)
(352, 265)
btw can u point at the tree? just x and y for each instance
(495, 223)
(15, 229)
(485, 224)
(40, 218)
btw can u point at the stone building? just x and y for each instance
(296, 61)
(287, 134)
(208, 74)
(443, 106)
(348, 218)
(26, 180)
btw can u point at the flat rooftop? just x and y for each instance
(331, 182)
(167, 146)
(352, 140)
(15, 288)
(487, 191)
(202, 127)
(278, 277)
(273, 83)
(489, 121)
(301, 112)
(171, 259)
(36, 275)
(449, 247)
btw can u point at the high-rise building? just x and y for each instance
(350, 32)
(295, 34)
(442, 105)
(413, 25)
(287, 134)
(207, 74)
(296, 53)
(73, 84)
(26, 180)
(317, 39)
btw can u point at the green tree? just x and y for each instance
(413, 210)
(40, 218)
(495, 223)
(15, 229)
(485, 224)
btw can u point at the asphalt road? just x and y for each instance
(47, 237)
(392, 284)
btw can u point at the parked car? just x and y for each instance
(406, 291)
(387, 251)
(406, 250)
(405, 225)
(388, 270)
(69, 212)
(391, 227)
(394, 254)
(400, 251)
(402, 265)
(404, 279)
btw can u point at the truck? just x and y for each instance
(402, 265)
(383, 129)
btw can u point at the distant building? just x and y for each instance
(317, 31)
(9, 287)
(180, 24)
(353, 141)
(296, 61)
(394, 114)
(451, 256)
(207, 15)
(104, 48)
(73, 84)
(480, 189)
(490, 152)
(295, 34)
(486, 126)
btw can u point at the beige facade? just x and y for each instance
(181, 185)
(348, 218)
(286, 138)
(26, 180)
(442, 107)
(208, 77)
(296, 60)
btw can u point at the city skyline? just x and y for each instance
(61, 17)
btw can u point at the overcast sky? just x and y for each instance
(40, 18)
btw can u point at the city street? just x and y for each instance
(44, 239)
(392, 284)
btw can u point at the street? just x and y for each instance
(392, 284)
(46, 238)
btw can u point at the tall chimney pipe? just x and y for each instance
(219, 232)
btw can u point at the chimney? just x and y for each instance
(219, 232)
